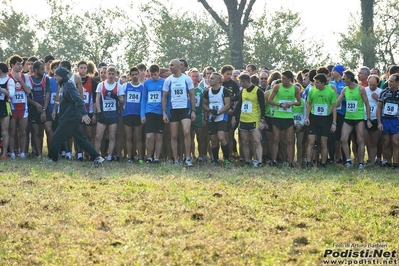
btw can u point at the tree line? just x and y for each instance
(204, 37)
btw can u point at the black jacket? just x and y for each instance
(72, 106)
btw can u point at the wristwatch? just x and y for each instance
(334, 123)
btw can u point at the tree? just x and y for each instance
(86, 36)
(137, 48)
(350, 44)
(16, 33)
(356, 45)
(273, 43)
(181, 35)
(387, 31)
(368, 41)
(237, 22)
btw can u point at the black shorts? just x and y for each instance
(319, 125)
(177, 115)
(374, 126)
(340, 122)
(353, 123)
(5, 109)
(34, 116)
(247, 126)
(154, 123)
(131, 120)
(269, 123)
(108, 121)
(215, 127)
(283, 123)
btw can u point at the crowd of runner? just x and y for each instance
(185, 115)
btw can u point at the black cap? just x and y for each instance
(48, 58)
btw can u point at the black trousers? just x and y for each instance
(64, 130)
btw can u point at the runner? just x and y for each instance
(7, 90)
(197, 126)
(182, 108)
(131, 115)
(388, 119)
(39, 113)
(19, 106)
(284, 96)
(321, 117)
(151, 114)
(251, 110)
(372, 134)
(356, 101)
(110, 97)
(217, 105)
(89, 85)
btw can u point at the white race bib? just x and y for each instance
(133, 96)
(86, 97)
(351, 106)
(52, 97)
(390, 109)
(246, 107)
(19, 97)
(197, 100)
(271, 112)
(2, 96)
(216, 106)
(289, 109)
(373, 109)
(154, 97)
(320, 109)
(109, 105)
(299, 119)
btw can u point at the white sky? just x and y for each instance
(321, 25)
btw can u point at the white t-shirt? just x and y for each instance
(178, 89)
(373, 103)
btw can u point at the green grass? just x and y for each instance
(130, 214)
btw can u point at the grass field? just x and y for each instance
(130, 214)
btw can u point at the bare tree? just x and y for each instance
(237, 22)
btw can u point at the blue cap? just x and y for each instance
(339, 69)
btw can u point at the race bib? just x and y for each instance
(373, 110)
(271, 112)
(133, 96)
(52, 97)
(197, 100)
(320, 109)
(289, 109)
(216, 106)
(19, 97)
(109, 105)
(86, 97)
(390, 108)
(246, 107)
(351, 106)
(154, 97)
(2, 96)
(299, 119)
